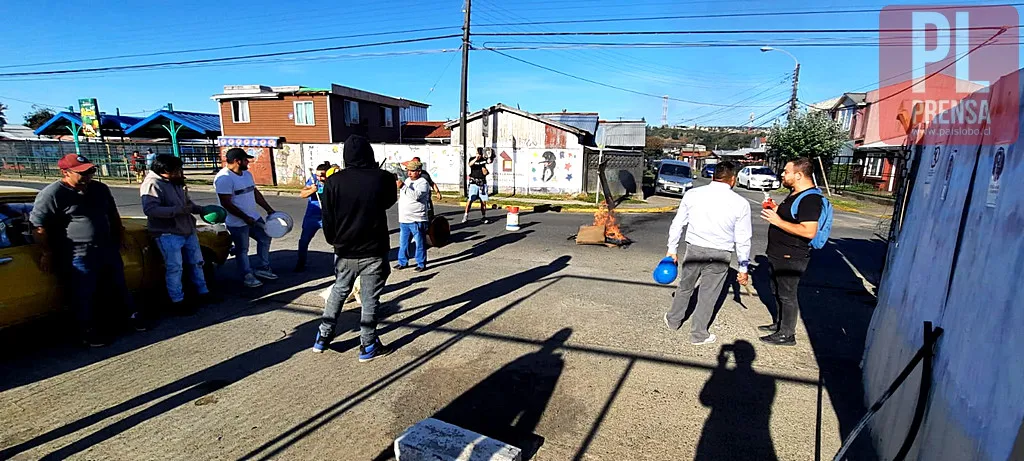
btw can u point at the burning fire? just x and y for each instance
(611, 224)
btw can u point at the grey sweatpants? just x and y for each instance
(372, 274)
(711, 266)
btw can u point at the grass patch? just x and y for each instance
(846, 205)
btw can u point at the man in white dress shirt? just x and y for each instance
(719, 220)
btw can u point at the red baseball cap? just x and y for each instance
(75, 163)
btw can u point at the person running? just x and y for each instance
(79, 233)
(355, 204)
(789, 249)
(716, 220)
(312, 221)
(169, 210)
(237, 193)
(477, 185)
(413, 206)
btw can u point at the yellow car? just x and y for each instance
(29, 292)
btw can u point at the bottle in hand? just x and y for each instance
(768, 203)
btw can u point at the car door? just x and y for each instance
(27, 291)
(741, 178)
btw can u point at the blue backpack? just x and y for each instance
(824, 220)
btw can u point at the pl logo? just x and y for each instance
(950, 72)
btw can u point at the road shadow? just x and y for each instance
(740, 400)
(868, 256)
(479, 249)
(196, 385)
(508, 404)
(836, 309)
(470, 300)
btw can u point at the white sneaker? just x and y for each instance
(711, 340)
(251, 281)
(265, 274)
(465, 218)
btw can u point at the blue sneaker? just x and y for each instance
(321, 343)
(377, 349)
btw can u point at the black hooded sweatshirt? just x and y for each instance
(355, 204)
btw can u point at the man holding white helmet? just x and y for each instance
(237, 192)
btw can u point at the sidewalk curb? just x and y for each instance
(530, 209)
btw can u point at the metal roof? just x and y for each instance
(17, 132)
(195, 125)
(522, 113)
(586, 122)
(109, 124)
(622, 134)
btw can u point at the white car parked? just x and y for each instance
(758, 177)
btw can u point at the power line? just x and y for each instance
(443, 71)
(227, 58)
(722, 32)
(736, 15)
(228, 47)
(602, 83)
(947, 66)
(31, 102)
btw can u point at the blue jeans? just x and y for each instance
(240, 237)
(416, 230)
(93, 270)
(309, 227)
(373, 274)
(172, 246)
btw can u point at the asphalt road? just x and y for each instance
(542, 231)
(236, 380)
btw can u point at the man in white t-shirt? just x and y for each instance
(236, 190)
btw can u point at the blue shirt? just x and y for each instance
(313, 208)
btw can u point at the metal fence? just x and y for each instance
(39, 158)
(625, 171)
(875, 175)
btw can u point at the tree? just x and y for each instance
(655, 142)
(806, 135)
(3, 115)
(38, 116)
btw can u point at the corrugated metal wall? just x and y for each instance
(503, 127)
(956, 262)
(627, 134)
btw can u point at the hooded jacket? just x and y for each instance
(167, 206)
(355, 203)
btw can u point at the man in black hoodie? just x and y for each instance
(355, 203)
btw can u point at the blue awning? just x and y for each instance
(195, 125)
(110, 125)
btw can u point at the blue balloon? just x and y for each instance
(666, 271)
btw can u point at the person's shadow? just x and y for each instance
(508, 404)
(741, 407)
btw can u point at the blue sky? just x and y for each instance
(38, 32)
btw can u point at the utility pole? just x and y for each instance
(463, 99)
(664, 111)
(792, 99)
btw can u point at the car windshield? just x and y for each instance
(675, 170)
(767, 171)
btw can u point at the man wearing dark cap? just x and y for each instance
(355, 203)
(237, 192)
(79, 232)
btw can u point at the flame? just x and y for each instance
(611, 224)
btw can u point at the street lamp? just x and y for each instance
(796, 77)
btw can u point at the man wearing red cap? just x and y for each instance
(79, 231)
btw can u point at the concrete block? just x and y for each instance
(436, 440)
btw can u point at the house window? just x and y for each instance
(847, 117)
(873, 166)
(304, 113)
(351, 113)
(240, 111)
(386, 117)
